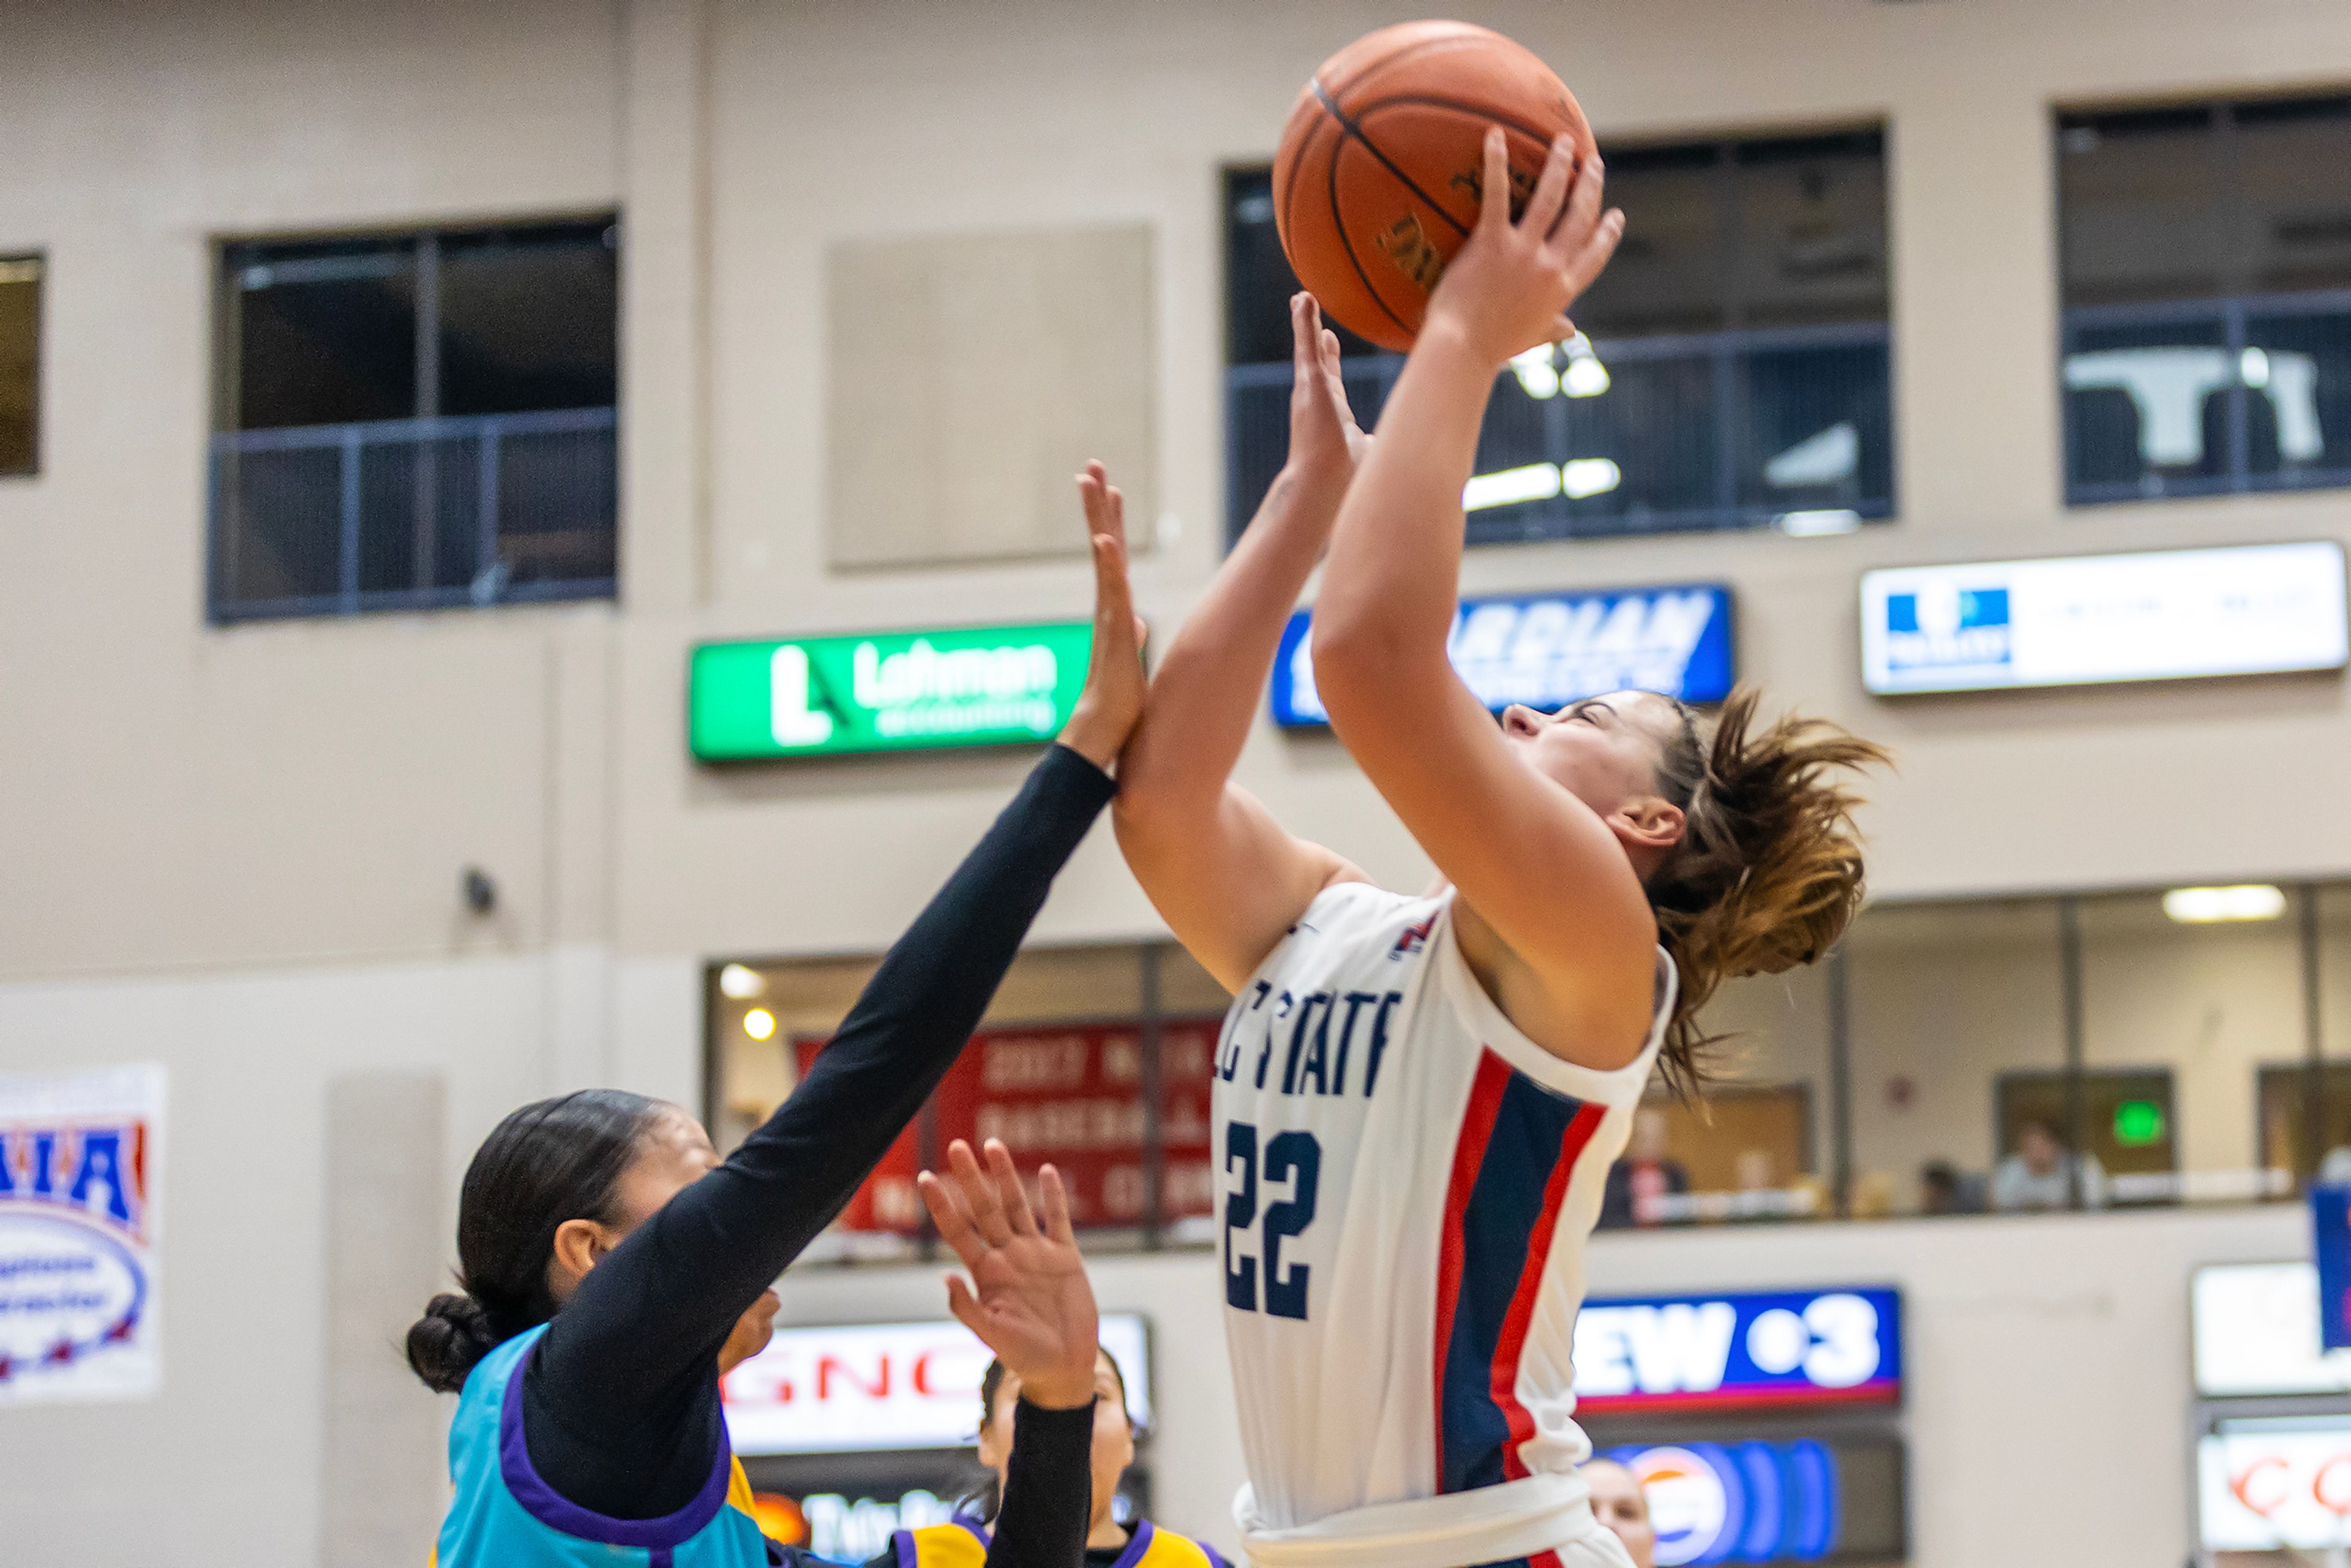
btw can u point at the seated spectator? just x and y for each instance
(1643, 1175)
(1618, 1502)
(2034, 1177)
(1944, 1188)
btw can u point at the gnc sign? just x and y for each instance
(2285, 1481)
(869, 1386)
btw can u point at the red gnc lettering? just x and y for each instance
(921, 1376)
(2331, 1487)
(826, 1366)
(2241, 1483)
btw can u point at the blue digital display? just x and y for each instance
(1547, 650)
(1764, 1350)
(1739, 1502)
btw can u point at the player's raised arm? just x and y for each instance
(1225, 875)
(1531, 860)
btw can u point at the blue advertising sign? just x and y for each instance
(1775, 1349)
(1739, 1502)
(2330, 1242)
(1547, 650)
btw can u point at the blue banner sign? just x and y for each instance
(1739, 1502)
(2330, 1224)
(1547, 650)
(1774, 1350)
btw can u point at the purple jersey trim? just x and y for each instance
(661, 1536)
(1137, 1544)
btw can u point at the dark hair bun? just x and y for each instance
(448, 1341)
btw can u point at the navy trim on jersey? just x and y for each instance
(1517, 1147)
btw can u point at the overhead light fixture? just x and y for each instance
(1586, 376)
(1814, 524)
(759, 1024)
(2207, 905)
(739, 983)
(1509, 487)
(1533, 369)
(1582, 476)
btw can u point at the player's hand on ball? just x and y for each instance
(1509, 286)
(1112, 701)
(1325, 442)
(1029, 1298)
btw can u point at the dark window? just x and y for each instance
(2207, 275)
(417, 420)
(20, 365)
(1733, 368)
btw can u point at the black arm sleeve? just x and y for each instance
(1048, 1489)
(621, 1407)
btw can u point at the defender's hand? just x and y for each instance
(1325, 442)
(1107, 709)
(1029, 1298)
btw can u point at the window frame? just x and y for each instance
(1727, 350)
(227, 439)
(40, 261)
(2234, 300)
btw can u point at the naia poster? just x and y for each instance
(78, 1216)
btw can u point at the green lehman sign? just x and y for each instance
(885, 691)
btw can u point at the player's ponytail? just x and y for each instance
(552, 1161)
(1769, 868)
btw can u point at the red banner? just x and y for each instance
(1069, 1095)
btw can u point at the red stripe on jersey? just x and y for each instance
(1513, 1340)
(1468, 1155)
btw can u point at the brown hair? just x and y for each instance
(1768, 872)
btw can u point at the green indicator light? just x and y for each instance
(2138, 1123)
(885, 691)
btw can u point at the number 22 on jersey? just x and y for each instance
(1256, 1221)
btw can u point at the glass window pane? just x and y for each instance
(2294, 191)
(1058, 1072)
(2202, 1004)
(1947, 999)
(529, 318)
(2138, 204)
(1819, 430)
(325, 333)
(2297, 373)
(20, 365)
(1812, 231)
(279, 525)
(2147, 405)
(1653, 433)
(1758, 1147)
(1668, 273)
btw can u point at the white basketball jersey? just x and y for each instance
(1406, 1183)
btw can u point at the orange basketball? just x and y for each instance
(1376, 184)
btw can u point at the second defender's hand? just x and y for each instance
(1029, 1298)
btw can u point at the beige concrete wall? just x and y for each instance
(281, 793)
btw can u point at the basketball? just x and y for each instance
(1376, 181)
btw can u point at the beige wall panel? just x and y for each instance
(970, 377)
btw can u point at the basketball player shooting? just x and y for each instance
(1417, 1097)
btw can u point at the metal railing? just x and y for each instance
(2206, 397)
(1692, 431)
(414, 513)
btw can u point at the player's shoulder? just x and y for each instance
(1353, 906)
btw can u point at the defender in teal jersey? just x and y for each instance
(614, 1267)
